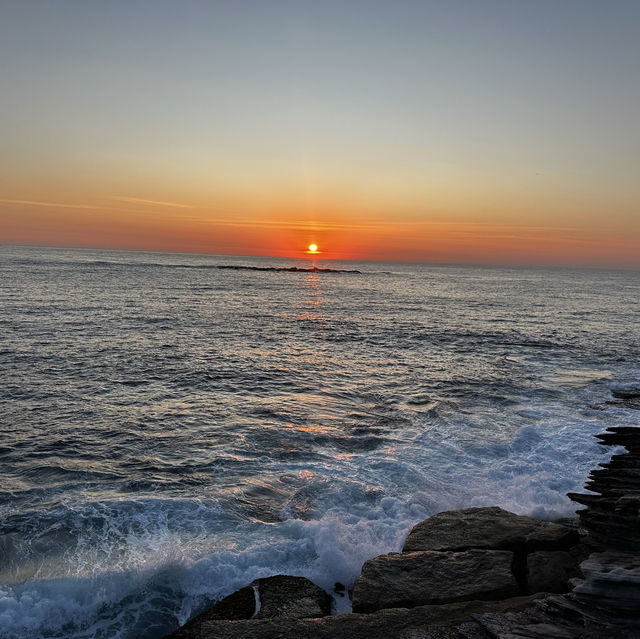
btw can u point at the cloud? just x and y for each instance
(286, 224)
(139, 200)
(51, 204)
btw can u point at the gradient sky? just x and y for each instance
(469, 131)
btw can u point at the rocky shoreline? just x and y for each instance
(476, 573)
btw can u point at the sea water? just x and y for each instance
(171, 430)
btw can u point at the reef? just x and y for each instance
(285, 269)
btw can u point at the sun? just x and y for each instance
(313, 248)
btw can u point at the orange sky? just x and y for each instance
(489, 132)
(132, 223)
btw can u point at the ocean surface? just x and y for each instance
(171, 430)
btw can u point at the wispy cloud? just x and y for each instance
(425, 225)
(286, 224)
(58, 205)
(139, 200)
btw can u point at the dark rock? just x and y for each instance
(581, 551)
(286, 596)
(611, 586)
(626, 394)
(411, 579)
(528, 624)
(278, 596)
(490, 528)
(237, 606)
(627, 398)
(552, 617)
(568, 522)
(620, 436)
(423, 622)
(550, 571)
(612, 515)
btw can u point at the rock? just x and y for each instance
(629, 398)
(490, 528)
(423, 622)
(278, 596)
(633, 393)
(411, 579)
(237, 606)
(611, 586)
(529, 624)
(286, 596)
(550, 571)
(612, 516)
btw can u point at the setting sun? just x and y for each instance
(313, 248)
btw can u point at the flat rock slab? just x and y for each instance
(286, 596)
(611, 586)
(424, 622)
(490, 528)
(270, 597)
(411, 579)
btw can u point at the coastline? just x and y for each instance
(474, 573)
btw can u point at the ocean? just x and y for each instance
(171, 430)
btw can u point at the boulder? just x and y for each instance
(490, 528)
(237, 606)
(286, 596)
(612, 516)
(426, 622)
(550, 571)
(411, 579)
(270, 597)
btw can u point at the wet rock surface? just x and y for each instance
(453, 621)
(611, 585)
(610, 590)
(285, 596)
(551, 570)
(406, 580)
(459, 571)
(628, 398)
(277, 596)
(490, 528)
(612, 515)
(493, 528)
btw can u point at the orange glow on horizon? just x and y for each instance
(166, 222)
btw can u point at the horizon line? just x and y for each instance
(306, 256)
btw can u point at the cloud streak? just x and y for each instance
(57, 205)
(139, 200)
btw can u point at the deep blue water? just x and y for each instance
(171, 431)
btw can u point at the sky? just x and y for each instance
(468, 131)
